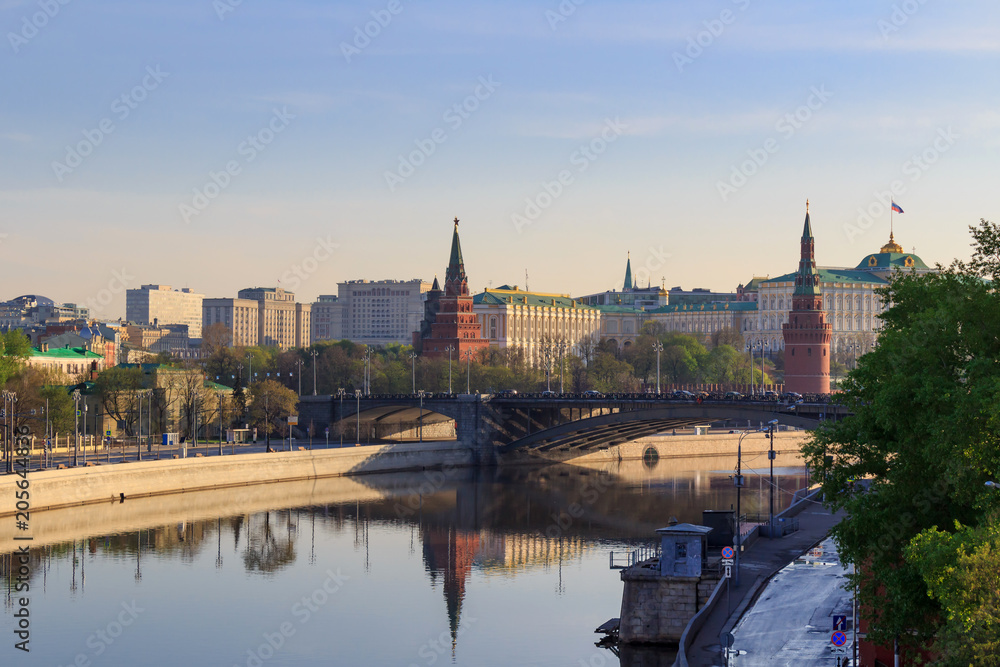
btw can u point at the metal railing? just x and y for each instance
(634, 557)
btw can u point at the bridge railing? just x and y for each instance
(622, 559)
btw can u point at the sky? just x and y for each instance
(225, 144)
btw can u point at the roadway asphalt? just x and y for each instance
(792, 621)
(759, 563)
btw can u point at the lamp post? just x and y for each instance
(368, 371)
(413, 367)
(220, 420)
(85, 410)
(420, 419)
(548, 367)
(298, 362)
(767, 346)
(449, 350)
(658, 347)
(76, 426)
(357, 395)
(468, 371)
(250, 371)
(11, 398)
(738, 481)
(138, 434)
(770, 456)
(562, 347)
(340, 393)
(314, 354)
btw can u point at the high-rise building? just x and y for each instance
(159, 304)
(238, 315)
(327, 320)
(455, 325)
(281, 322)
(807, 332)
(379, 312)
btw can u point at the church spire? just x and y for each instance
(807, 278)
(628, 273)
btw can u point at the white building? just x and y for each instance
(159, 304)
(379, 312)
(535, 321)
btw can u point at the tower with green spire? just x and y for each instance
(807, 334)
(628, 274)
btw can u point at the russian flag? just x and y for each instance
(897, 208)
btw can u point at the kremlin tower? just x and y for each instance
(454, 322)
(807, 333)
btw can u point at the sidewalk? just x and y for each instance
(759, 563)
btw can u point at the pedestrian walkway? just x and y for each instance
(792, 621)
(759, 563)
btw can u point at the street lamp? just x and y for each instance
(357, 395)
(770, 456)
(340, 393)
(468, 371)
(368, 371)
(250, 370)
(413, 366)
(220, 418)
(562, 347)
(420, 419)
(314, 354)
(298, 362)
(449, 350)
(739, 483)
(548, 366)
(9, 397)
(658, 347)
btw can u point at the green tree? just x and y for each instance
(925, 421)
(15, 348)
(962, 573)
(117, 389)
(271, 406)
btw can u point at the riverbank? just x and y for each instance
(71, 487)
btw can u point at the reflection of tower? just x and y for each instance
(451, 552)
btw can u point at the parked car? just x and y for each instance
(684, 395)
(733, 396)
(549, 394)
(770, 395)
(791, 396)
(703, 395)
(506, 392)
(593, 393)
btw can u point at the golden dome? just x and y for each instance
(892, 246)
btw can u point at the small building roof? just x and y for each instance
(65, 353)
(684, 529)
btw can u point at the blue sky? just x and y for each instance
(671, 124)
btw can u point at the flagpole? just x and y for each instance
(892, 209)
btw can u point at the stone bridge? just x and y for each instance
(559, 426)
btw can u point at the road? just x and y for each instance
(792, 621)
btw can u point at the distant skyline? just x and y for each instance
(224, 144)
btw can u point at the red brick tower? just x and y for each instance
(455, 324)
(807, 333)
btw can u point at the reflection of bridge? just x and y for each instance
(557, 426)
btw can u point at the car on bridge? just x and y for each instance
(548, 393)
(770, 395)
(503, 393)
(592, 393)
(733, 396)
(683, 395)
(791, 396)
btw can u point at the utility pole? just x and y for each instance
(314, 355)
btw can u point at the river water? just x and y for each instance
(460, 567)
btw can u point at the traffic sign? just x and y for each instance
(327, 429)
(838, 638)
(839, 622)
(727, 553)
(728, 572)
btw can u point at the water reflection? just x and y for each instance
(478, 535)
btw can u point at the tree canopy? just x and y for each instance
(909, 465)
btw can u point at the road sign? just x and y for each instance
(293, 420)
(327, 429)
(839, 622)
(728, 574)
(838, 638)
(108, 433)
(839, 650)
(727, 553)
